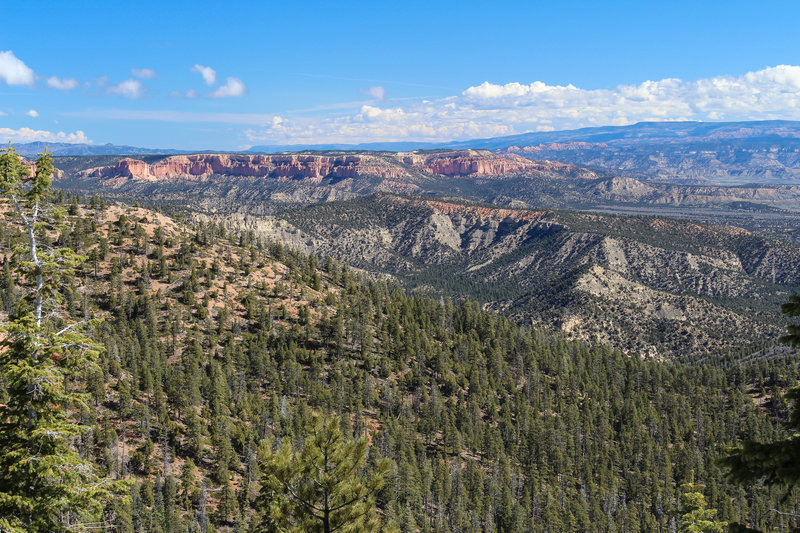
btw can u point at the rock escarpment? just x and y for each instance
(469, 163)
(315, 168)
(310, 167)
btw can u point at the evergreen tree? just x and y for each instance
(776, 463)
(792, 308)
(45, 485)
(696, 517)
(324, 487)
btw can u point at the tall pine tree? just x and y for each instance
(696, 516)
(324, 487)
(45, 486)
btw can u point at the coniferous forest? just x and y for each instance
(214, 381)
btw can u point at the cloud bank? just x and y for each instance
(26, 135)
(490, 109)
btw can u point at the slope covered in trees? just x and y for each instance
(646, 285)
(218, 347)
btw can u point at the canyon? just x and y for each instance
(652, 287)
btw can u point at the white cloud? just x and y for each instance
(128, 89)
(13, 71)
(65, 84)
(490, 109)
(233, 87)
(208, 73)
(2, 114)
(26, 135)
(144, 73)
(376, 93)
(32, 113)
(773, 92)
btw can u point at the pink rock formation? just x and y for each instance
(32, 168)
(469, 163)
(314, 168)
(310, 167)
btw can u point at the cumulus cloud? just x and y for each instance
(375, 93)
(32, 113)
(491, 109)
(208, 73)
(773, 92)
(144, 73)
(13, 71)
(26, 135)
(128, 88)
(65, 84)
(233, 87)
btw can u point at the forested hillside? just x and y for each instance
(218, 347)
(650, 286)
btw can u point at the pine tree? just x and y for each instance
(696, 517)
(322, 488)
(792, 308)
(45, 486)
(776, 463)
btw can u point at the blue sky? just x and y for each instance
(209, 75)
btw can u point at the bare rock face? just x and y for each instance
(469, 163)
(32, 168)
(454, 210)
(314, 168)
(308, 167)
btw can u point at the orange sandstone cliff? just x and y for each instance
(315, 168)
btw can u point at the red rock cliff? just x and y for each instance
(469, 163)
(314, 167)
(311, 167)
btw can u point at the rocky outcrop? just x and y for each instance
(516, 215)
(469, 163)
(648, 285)
(314, 168)
(32, 168)
(308, 167)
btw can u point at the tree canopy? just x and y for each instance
(45, 485)
(324, 487)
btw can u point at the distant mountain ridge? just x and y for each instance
(684, 131)
(679, 131)
(725, 153)
(65, 149)
(264, 183)
(649, 132)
